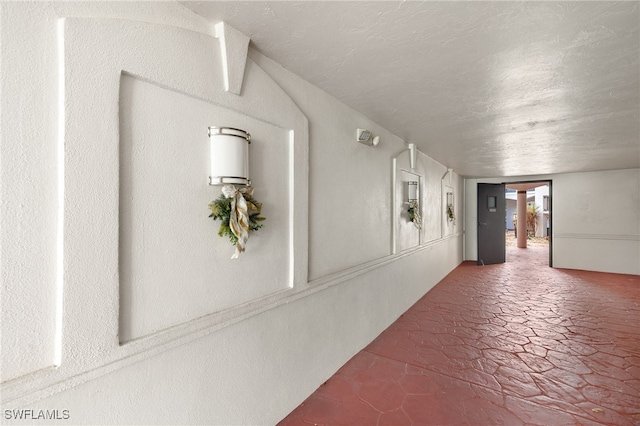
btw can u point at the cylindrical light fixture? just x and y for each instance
(229, 156)
(412, 191)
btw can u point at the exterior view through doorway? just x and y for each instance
(531, 203)
(499, 208)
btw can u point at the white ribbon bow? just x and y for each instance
(239, 221)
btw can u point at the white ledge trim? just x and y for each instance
(26, 389)
(597, 236)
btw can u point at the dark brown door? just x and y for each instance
(491, 223)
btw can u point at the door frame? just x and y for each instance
(550, 183)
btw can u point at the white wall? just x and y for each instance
(511, 210)
(595, 219)
(543, 222)
(122, 306)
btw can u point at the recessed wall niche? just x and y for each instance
(173, 265)
(428, 173)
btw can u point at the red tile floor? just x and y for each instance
(511, 344)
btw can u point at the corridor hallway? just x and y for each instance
(514, 343)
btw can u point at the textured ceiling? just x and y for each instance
(488, 88)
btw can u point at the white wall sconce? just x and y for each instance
(236, 208)
(414, 207)
(364, 136)
(229, 150)
(412, 191)
(451, 214)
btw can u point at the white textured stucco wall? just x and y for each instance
(222, 354)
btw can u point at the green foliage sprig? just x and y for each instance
(412, 210)
(414, 214)
(221, 210)
(450, 213)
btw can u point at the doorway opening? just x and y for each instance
(528, 213)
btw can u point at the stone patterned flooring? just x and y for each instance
(511, 344)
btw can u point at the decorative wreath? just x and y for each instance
(450, 214)
(414, 214)
(239, 213)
